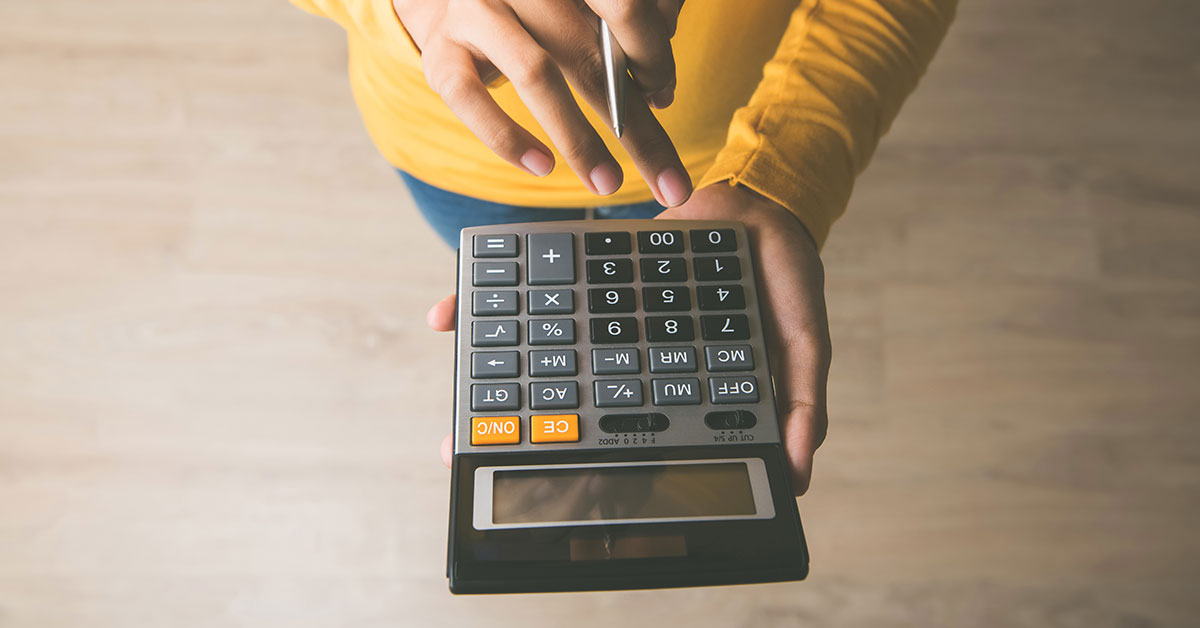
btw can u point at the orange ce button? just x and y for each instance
(495, 430)
(554, 428)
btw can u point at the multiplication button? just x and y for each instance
(733, 389)
(615, 362)
(552, 301)
(615, 393)
(494, 303)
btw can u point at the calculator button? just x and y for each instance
(495, 430)
(660, 241)
(733, 389)
(613, 393)
(616, 362)
(684, 391)
(730, 420)
(609, 271)
(554, 428)
(714, 240)
(609, 243)
(494, 273)
(672, 359)
(721, 297)
(611, 300)
(666, 299)
(494, 303)
(725, 268)
(496, 245)
(551, 258)
(642, 422)
(663, 269)
(552, 301)
(725, 327)
(729, 358)
(493, 333)
(553, 395)
(486, 364)
(669, 329)
(619, 330)
(551, 331)
(552, 362)
(487, 397)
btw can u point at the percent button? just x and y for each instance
(551, 331)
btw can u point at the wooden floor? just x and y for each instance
(215, 379)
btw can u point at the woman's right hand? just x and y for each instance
(540, 46)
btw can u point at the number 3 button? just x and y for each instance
(609, 271)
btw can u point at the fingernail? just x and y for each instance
(674, 186)
(662, 98)
(537, 162)
(606, 178)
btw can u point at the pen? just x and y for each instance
(614, 77)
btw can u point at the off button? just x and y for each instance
(495, 430)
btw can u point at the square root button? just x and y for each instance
(733, 389)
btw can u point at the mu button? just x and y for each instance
(495, 430)
(554, 428)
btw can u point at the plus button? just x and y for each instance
(551, 255)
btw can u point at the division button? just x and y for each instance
(725, 268)
(720, 358)
(490, 397)
(714, 240)
(733, 389)
(627, 423)
(496, 245)
(552, 301)
(486, 333)
(660, 241)
(684, 391)
(553, 395)
(553, 362)
(494, 273)
(554, 428)
(551, 331)
(551, 258)
(730, 297)
(494, 302)
(612, 393)
(730, 420)
(672, 359)
(619, 330)
(725, 327)
(495, 430)
(608, 243)
(487, 364)
(615, 362)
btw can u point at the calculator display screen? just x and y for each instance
(622, 493)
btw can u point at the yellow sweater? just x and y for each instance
(787, 98)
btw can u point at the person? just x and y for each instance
(762, 111)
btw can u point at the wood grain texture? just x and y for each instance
(219, 405)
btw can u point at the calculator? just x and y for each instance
(614, 417)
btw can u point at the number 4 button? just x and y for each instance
(721, 297)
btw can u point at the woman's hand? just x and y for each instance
(792, 288)
(541, 45)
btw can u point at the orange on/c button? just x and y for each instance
(554, 428)
(495, 430)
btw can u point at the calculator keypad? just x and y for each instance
(580, 334)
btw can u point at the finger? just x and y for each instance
(540, 84)
(645, 37)
(451, 72)
(441, 315)
(573, 42)
(670, 9)
(447, 451)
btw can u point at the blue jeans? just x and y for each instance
(448, 213)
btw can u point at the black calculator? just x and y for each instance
(614, 417)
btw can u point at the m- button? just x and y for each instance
(551, 258)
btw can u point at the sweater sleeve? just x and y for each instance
(832, 89)
(374, 21)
